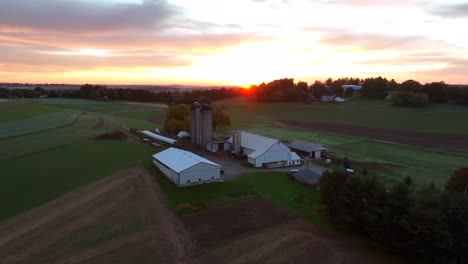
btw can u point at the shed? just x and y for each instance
(312, 150)
(185, 168)
(306, 176)
(218, 146)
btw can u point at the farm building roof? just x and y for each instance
(355, 87)
(294, 156)
(259, 144)
(306, 146)
(179, 160)
(306, 176)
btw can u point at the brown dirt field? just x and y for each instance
(450, 143)
(256, 231)
(120, 219)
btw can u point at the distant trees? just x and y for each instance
(375, 87)
(318, 89)
(429, 224)
(178, 118)
(458, 181)
(282, 90)
(220, 118)
(408, 98)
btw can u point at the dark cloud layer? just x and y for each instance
(449, 11)
(76, 16)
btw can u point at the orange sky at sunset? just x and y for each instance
(207, 42)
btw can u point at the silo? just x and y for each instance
(206, 125)
(236, 143)
(195, 123)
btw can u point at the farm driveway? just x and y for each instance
(233, 168)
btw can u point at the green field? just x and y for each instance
(363, 112)
(390, 162)
(51, 150)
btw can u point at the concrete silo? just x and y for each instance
(206, 125)
(201, 124)
(195, 123)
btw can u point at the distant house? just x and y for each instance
(185, 168)
(260, 151)
(327, 98)
(312, 150)
(306, 176)
(339, 99)
(356, 88)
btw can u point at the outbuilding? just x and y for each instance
(185, 168)
(312, 150)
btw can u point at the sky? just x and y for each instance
(220, 42)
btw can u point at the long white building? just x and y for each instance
(185, 168)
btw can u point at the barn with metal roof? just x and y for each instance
(185, 168)
(261, 151)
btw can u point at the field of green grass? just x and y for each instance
(359, 111)
(51, 148)
(390, 162)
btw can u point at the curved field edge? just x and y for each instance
(38, 124)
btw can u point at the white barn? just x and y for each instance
(262, 151)
(185, 168)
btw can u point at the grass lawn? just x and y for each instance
(359, 111)
(274, 186)
(35, 179)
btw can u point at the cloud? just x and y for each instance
(79, 16)
(449, 11)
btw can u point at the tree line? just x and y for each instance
(101, 92)
(407, 93)
(427, 223)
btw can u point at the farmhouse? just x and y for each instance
(261, 151)
(312, 150)
(186, 168)
(356, 88)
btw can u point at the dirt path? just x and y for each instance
(450, 143)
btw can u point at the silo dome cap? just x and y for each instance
(206, 107)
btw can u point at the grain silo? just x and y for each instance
(195, 123)
(201, 124)
(206, 124)
(236, 143)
